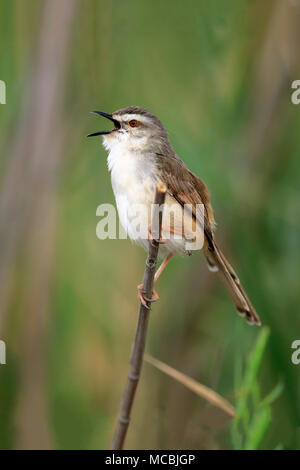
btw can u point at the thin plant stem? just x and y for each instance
(142, 325)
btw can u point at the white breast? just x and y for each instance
(133, 181)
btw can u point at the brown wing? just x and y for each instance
(187, 188)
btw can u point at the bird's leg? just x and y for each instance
(172, 230)
(162, 267)
(163, 240)
(155, 296)
(143, 299)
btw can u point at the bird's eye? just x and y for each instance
(133, 123)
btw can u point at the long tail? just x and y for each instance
(217, 262)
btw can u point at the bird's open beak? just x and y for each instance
(108, 116)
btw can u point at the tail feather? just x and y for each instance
(217, 262)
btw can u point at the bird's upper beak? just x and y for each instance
(108, 116)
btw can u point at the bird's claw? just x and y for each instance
(144, 299)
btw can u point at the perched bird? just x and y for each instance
(139, 157)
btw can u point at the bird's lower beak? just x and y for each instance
(108, 116)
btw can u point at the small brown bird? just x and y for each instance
(140, 157)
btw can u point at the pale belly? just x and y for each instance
(134, 190)
(134, 209)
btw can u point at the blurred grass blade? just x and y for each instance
(255, 358)
(249, 384)
(253, 416)
(276, 392)
(258, 428)
(201, 390)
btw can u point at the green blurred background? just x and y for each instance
(219, 77)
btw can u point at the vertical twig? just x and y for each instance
(141, 331)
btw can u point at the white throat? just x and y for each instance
(128, 164)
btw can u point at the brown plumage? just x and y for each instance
(140, 156)
(186, 188)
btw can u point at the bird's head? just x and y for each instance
(135, 127)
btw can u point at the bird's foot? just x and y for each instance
(143, 299)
